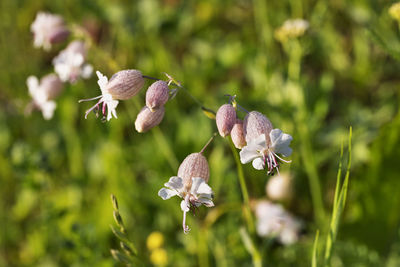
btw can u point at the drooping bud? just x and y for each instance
(51, 85)
(157, 95)
(194, 165)
(237, 135)
(256, 124)
(225, 119)
(146, 119)
(280, 188)
(125, 84)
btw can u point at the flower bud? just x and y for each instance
(51, 85)
(256, 124)
(194, 165)
(237, 135)
(157, 95)
(146, 119)
(279, 188)
(225, 119)
(125, 84)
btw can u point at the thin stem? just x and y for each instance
(151, 78)
(208, 142)
(243, 187)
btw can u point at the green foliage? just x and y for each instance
(56, 176)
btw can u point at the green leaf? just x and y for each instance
(314, 260)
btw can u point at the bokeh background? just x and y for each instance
(56, 176)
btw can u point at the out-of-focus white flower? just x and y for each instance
(70, 63)
(279, 187)
(106, 98)
(264, 152)
(40, 97)
(274, 221)
(48, 29)
(193, 195)
(291, 28)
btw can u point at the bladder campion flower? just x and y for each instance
(274, 221)
(264, 149)
(157, 95)
(48, 29)
(122, 85)
(280, 187)
(70, 63)
(263, 143)
(191, 185)
(147, 119)
(42, 93)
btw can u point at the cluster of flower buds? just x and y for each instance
(255, 136)
(290, 29)
(123, 85)
(190, 184)
(153, 112)
(43, 93)
(274, 221)
(70, 64)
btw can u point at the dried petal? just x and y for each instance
(146, 119)
(157, 95)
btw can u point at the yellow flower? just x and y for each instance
(155, 240)
(394, 11)
(159, 257)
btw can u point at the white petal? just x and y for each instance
(258, 164)
(102, 82)
(204, 189)
(206, 202)
(248, 153)
(111, 106)
(166, 193)
(184, 206)
(280, 142)
(259, 141)
(87, 70)
(48, 109)
(33, 85)
(175, 182)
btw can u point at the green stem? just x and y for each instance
(243, 187)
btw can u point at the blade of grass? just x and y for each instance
(338, 207)
(314, 259)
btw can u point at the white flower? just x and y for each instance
(264, 153)
(48, 29)
(274, 221)
(70, 63)
(40, 98)
(106, 98)
(199, 193)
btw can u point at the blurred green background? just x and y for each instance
(56, 176)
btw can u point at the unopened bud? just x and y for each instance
(237, 135)
(279, 188)
(51, 85)
(225, 119)
(157, 95)
(146, 119)
(125, 84)
(194, 165)
(256, 124)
